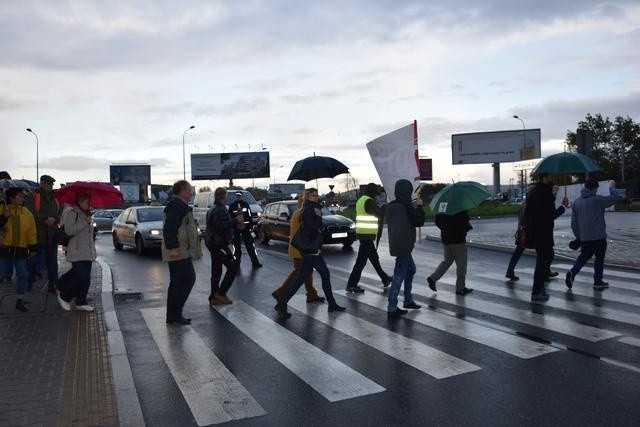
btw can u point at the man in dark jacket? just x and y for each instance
(46, 211)
(539, 215)
(368, 214)
(587, 224)
(180, 245)
(242, 207)
(402, 220)
(453, 233)
(220, 229)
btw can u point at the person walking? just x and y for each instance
(310, 225)
(368, 214)
(220, 229)
(46, 211)
(18, 241)
(519, 250)
(180, 245)
(312, 294)
(402, 220)
(539, 215)
(588, 226)
(453, 234)
(239, 206)
(81, 252)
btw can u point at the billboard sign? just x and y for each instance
(495, 147)
(425, 167)
(230, 165)
(286, 189)
(161, 193)
(130, 174)
(130, 192)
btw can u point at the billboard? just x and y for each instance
(286, 189)
(425, 167)
(131, 174)
(161, 193)
(495, 147)
(230, 165)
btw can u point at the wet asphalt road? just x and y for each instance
(582, 383)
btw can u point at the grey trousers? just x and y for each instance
(457, 253)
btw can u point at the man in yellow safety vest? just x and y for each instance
(368, 214)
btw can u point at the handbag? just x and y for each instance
(60, 237)
(306, 244)
(521, 238)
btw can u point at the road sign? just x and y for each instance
(526, 164)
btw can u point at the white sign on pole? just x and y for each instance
(395, 157)
(526, 164)
(495, 147)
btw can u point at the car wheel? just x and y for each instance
(116, 244)
(262, 236)
(139, 245)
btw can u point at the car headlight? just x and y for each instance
(259, 214)
(352, 226)
(155, 232)
(93, 224)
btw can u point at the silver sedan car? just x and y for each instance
(139, 227)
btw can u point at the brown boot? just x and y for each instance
(220, 300)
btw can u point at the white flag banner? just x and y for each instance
(395, 156)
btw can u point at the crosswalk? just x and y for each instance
(493, 318)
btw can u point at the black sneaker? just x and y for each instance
(412, 305)
(600, 286)
(282, 311)
(335, 307)
(464, 291)
(398, 312)
(569, 279)
(20, 306)
(355, 289)
(432, 284)
(256, 265)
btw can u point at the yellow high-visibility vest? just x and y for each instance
(365, 223)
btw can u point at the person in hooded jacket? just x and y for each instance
(81, 252)
(402, 220)
(587, 224)
(311, 225)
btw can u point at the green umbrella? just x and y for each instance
(458, 197)
(565, 163)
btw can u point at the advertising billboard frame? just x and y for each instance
(130, 174)
(239, 165)
(505, 146)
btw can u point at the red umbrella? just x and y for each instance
(102, 195)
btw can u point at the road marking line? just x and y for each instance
(631, 341)
(607, 271)
(414, 353)
(587, 278)
(212, 392)
(331, 378)
(499, 340)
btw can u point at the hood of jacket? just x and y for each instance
(585, 193)
(403, 190)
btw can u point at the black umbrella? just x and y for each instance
(316, 167)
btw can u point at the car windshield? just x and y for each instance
(148, 215)
(246, 196)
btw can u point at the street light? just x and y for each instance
(184, 164)
(37, 155)
(522, 155)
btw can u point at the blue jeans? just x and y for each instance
(588, 249)
(310, 262)
(404, 270)
(20, 265)
(48, 257)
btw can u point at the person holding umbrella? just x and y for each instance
(368, 213)
(18, 241)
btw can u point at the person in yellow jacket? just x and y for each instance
(312, 293)
(18, 240)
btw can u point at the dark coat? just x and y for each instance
(402, 220)
(220, 226)
(310, 222)
(539, 214)
(453, 228)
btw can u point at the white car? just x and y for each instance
(139, 227)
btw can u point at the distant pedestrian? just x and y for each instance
(220, 229)
(588, 225)
(312, 294)
(46, 211)
(368, 214)
(239, 206)
(18, 241)
(453, 234)
(310, 225)
(402, 220)
(81, 252)
(180, 245)
(540, 213)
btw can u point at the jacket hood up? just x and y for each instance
(403, 190)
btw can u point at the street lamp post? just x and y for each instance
(184, 164)
(524, 136)
(37, 155)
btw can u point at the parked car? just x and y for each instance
(139, 227)
(204, 201)
(275, 223)
(103, 219)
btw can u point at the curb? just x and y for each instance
(129, 410)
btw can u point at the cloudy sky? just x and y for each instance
(115, 82)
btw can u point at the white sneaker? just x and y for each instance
(65, 305)
(85, 307)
